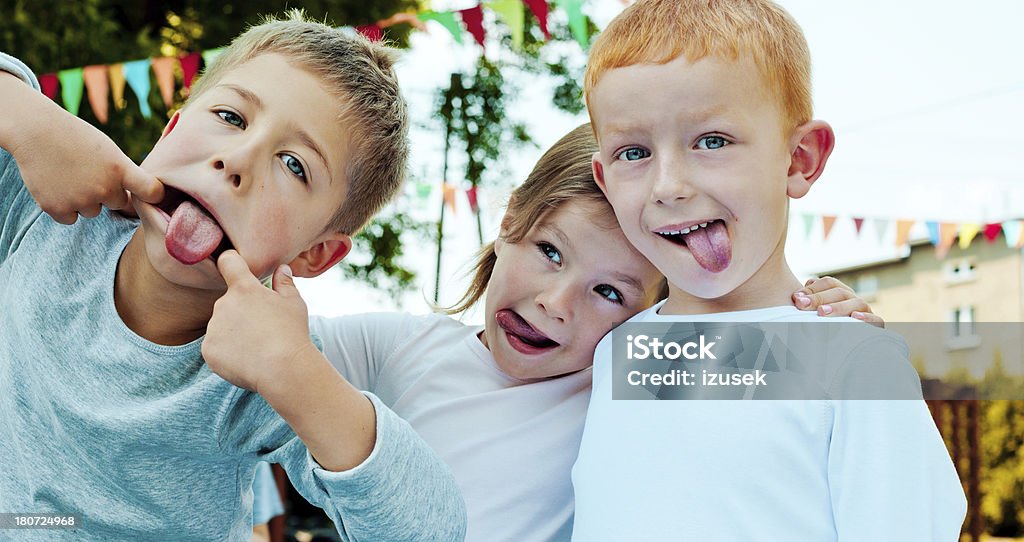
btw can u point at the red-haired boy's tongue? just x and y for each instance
(192, 235)
(710, 246)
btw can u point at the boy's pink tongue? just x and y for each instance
(192, 235)
(710, 246)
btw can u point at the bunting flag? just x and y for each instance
(471, 197)
(992, 231)
(71, 89)
(858, 223)
(137, 75)
(828, 221)
(48, 82)
(373, 32)
(903, 231)
(577, 21)
(210, 55)
(163, 68)
(117, 82)
(1012, 230)
(511, 12)
(933, 232)
(189, 68)
(967, 234)
(423, 189)
(449, 196)
(947, 235)
(98, 89)
(808, 225)
(447, 20)
(473, 20)
(881, 227)
(540, 10)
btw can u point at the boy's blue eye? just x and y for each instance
(231, 118)
(709, 143)
(550, 252)
(609, 293)
(633, 153)
(294, 166)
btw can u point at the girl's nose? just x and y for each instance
(556, 301)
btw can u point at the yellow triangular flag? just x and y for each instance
(117, 82)
(967, 233)
(903, 231)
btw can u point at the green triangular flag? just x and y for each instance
(71, 89)
(577, 21)
(447, 20)
(808, 224)
(210, 55)
(510, 11)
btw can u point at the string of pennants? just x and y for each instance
(99, 82)
(448, 195)
(942, 235)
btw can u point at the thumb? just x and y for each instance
(145, 186)
(284, 282)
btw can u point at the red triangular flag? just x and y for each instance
(48, 81)
(540, 9)
(473, 20)
(992, 231)
(471, 196)
(373, 32)
(858, 223)
(189, 67)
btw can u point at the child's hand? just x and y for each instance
(70, 167)
(255, 332)
(833, 298)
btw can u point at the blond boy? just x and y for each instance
(702, 111)
(291, 141)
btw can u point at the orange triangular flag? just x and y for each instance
(98, 88)
(163, 67)
(903, 231)
(449, 196)
(117, 82)
(947, 234)
(828, 221)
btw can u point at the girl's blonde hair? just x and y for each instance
(563, 174)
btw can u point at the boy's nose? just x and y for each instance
(235, 178)
(671, 184)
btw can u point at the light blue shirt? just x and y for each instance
(142, 440)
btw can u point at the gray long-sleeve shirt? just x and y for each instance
(142, 441)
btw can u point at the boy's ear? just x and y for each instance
(811, 146)
(595, 164)
(170, 124)
(321, 256)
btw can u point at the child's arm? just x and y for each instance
(258, 339)
(68, 166)
(831, 297)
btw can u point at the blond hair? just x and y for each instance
(658, 31)
(360, 73)
(563, 174)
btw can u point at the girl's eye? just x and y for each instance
(709, 143)
(611, 294)
(294, 166)
(550, 252)
(231, 118)
(633, 153)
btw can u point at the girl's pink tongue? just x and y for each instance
(192, 235)
(710, 246)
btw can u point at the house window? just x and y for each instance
(957, 271)
(867, 287)
(962, 328)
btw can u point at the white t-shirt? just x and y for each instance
(511, 444)
(765, 470)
